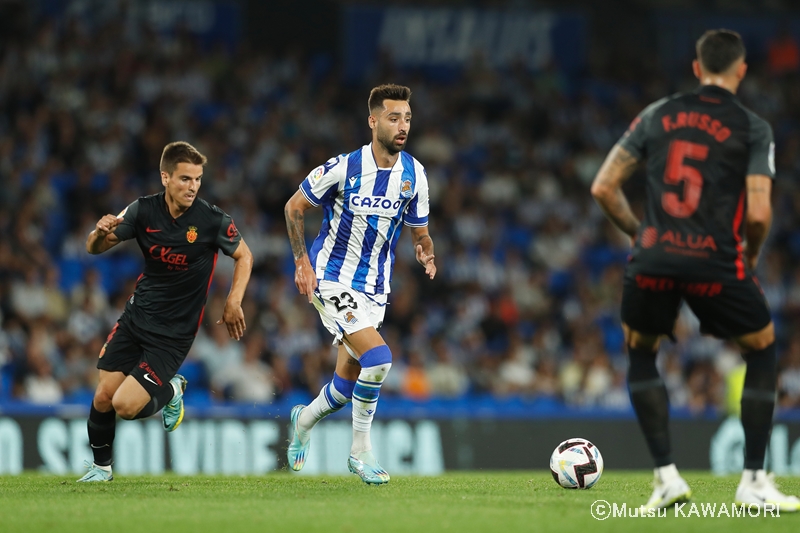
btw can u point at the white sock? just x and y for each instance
(365, 401)
(105, 468)
(667, 473)
(751, 476)
(329, 400)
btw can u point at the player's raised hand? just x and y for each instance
(426, 261)
(305, 278)
(233, 318)
(106, 225)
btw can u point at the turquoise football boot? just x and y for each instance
(172, 413)
(95, 473)
(367, 468)
(297, 451)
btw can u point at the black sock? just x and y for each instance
(161, 398)
(758, 404)
(102, 427)
(651, 403)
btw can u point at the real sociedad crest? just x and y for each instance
(405, 189)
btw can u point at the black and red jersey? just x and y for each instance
(180, 255)
(700, 147)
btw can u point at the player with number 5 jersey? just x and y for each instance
(710, 166)
(367, 196)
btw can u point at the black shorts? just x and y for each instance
(726, 309)
(152, 359)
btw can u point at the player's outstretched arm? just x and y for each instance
(759, 216)
(232, 315)
(423, 244)
(304, 276)
(102, 237)
(607, 189)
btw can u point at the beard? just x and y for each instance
(387, 141)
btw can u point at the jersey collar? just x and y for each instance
(165, 207)
(715, 90)
(372, 154)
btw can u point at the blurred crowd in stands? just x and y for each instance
(527, 297)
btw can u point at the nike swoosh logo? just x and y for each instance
(151, 230)
(148, 378)
(98, 447)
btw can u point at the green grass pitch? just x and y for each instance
(459, 502)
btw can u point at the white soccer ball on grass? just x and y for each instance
(576, 464)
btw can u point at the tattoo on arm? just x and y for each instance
(295, 224)
(616, 169)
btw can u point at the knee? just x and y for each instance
(376, 363)
(125, 408)
(379, 355)
(103, 400)
(376, 356)
(640, 341)
(759, 342)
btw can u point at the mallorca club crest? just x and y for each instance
(191, 234)
(350, 318)
(405, 189)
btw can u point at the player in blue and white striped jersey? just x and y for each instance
(367, 197)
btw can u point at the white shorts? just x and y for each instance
(346, 310)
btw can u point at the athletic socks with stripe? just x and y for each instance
(331, 398)
(375, 365)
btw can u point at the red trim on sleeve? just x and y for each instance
(737, 224)
(208, 288)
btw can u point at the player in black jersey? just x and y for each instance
(180, 237)
(710, 165)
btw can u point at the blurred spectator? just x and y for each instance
(89, 293)
(251, 380)
(218, 353)
(416, 384)
(547, 383)
(598, 381)
(783, 55)
(40, 385)
(445, 376)
(85, 323)
(78, 369)
(789, 376)
(57, 305)
(672, 374)
(28, 296)
(515, 375)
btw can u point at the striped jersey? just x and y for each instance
(364, 209)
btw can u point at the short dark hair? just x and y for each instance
(717, 50)
(180, 152)
(387, 91)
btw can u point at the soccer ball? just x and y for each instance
(576, 464)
